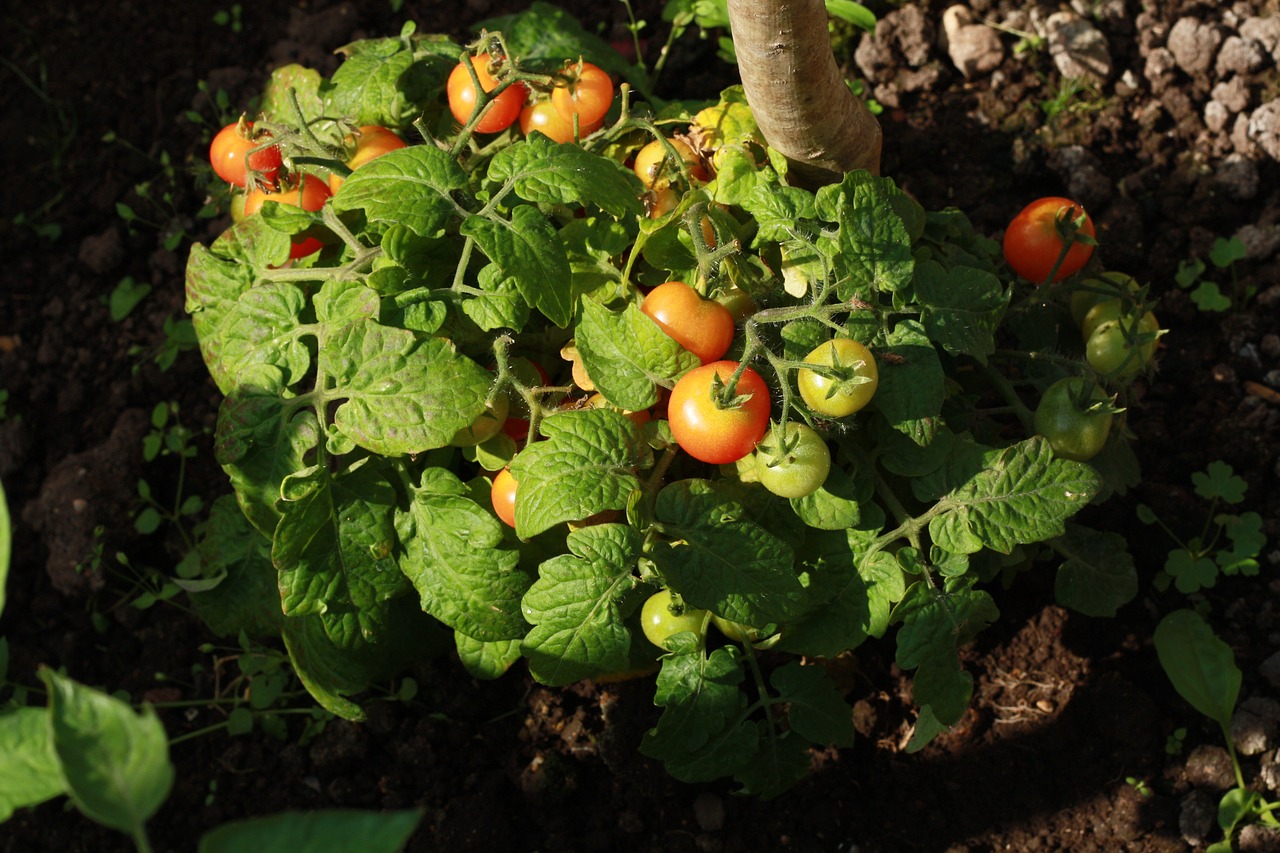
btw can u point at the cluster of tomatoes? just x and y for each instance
(575, 106)
(1049, 241)
(252, 163)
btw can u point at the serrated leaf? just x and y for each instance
(332, 831)
(411, 186)
(1219, 480)
(853, 596)
(528, 250)
(719, 560)
(1201, 666)
(546, 32)
(586, 466)
(912, 383)
(578, 630)
(453, 554)
(702, 733)
(1026, 495)
(261, 327)
(29, 770)
(276, 103)
(1098, 575)
(384, 81)
(486, 660)
(247, 598)
(873, 249)
(333, 549)
(115, 762)
(836, 504)
(961, 307)
(815, 708)
(401, 392)
(500, 306)
(546, 172)
(779, 762)
(630, 354)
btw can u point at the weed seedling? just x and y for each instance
(1205, 293)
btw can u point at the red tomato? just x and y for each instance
(503, 496)
(310, 194)
(588, 96)
(1032, 242)
(227, 155)
(708, 432)
(500, 113)
(702, 326)
(371, 142)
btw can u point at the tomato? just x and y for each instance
(793, 463)
(702, 326)
(735, 631)
(502, 494)
(1100, 288)
(499, 114)
(371, 142)
(1120, 347)
(310, 193)
(655, 168)
(708, 432)
(488, 424)
(588, 96)
(545, 119)
(228, 151)
(1073, 432)
(1032, 242)
(661, 618)
(835, 397)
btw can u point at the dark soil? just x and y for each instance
(1172, 151)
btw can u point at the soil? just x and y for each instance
(1072, 740)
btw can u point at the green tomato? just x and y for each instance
(1100, 288)
(836, 397)
(1073, 432)
(735, 631)
(660, 621)
(792, 463)
(1118, 349)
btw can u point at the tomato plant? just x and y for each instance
(1120, 346)
(1075, 415)
(502, 494)
(369, 142)
(236, 146)
(793, 462)
(702, 326)
(658, 169)
(708, 429)
(1034, 241)
(662, 617)
(309, 193)
(847, 387)
(499, 113)
(587, 95)
(545, 118)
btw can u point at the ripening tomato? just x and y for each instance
(500, 113)
(310, 193)
(502, 494)
(486, 425)
(660, 619)
(588, 95)
(702, 326)
(371, 142)
(229, 154)
(1033, 242)
(547, 120)
(654, 165)
(836, 397)
(793, 463)
(706, 430)
(1075, 416)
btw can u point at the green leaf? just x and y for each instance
(546, 172)
(263, 326)
(1201, 666)
(1225, 252)
(853, 13)
(836, 504)
(247, 598)
(1237, 806)
(586, 466)
(402, 392)
(1098, 575)
(1209, 297)
(115, 762)
(486, 660)
(125, 296)
(815, 708)
(548, 33)
(276, 104)
(500, 306)
(1247, 542)
(1025, 495)
(385, 81)
(911, 388)
(453, 554)
(719, 560)
(961, 307)
(627, 355)
(574, 606)
(29, 771)
(1219, 481)
(410, 186)
(873, 249)
(1191, 572)
(333, 831)
(702, 733)
(528, 250)
(333, 549)
(780, 760)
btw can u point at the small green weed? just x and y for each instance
(1206, 293)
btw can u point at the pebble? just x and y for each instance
(1264, 128)
(1210, 767)
(1233, 94)
(975, 49)
(1078, 48)
(1194, 44)
(1265, 31)
(1254, 725)
(1197, 817)
(1236, 175)
(1241, 56)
